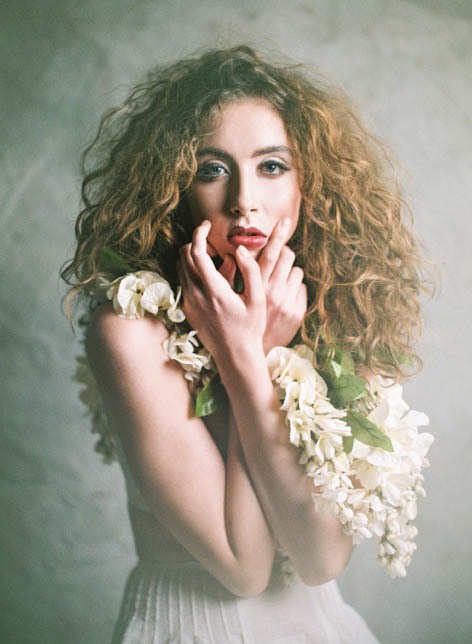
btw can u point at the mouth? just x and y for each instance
(249, 237)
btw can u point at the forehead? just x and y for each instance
(250, 118)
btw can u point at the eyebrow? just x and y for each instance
(218, 152)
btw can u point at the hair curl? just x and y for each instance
(360, 260)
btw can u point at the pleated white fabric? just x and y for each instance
(181, 603)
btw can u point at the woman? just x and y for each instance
(262, 196)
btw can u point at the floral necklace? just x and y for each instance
(358, 440)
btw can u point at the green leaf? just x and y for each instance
(324, 354)
(347, 364)
(338, 354)
(335, 368)
(404, 359)
(367, 432)
(207, 401)
(345, 389)
(348, 442)
(113, 263)
(238, 282)
(335, 362)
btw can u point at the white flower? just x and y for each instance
(286, 365)
(372, 491)
(182, 349)
(143, 291)
(127, 293)
(159, 296)
(327, 506)
(303, 392)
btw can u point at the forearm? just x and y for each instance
(232, 327)
(315, 542)
(208, 505)
(248, 532)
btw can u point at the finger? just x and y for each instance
(271, 251)
(191, 277)
(285, 293)
(187, 263)
(283, 268)
(211, 250)
(198, 252)
(295, 279)
(251, 274)
(228, 269)
(302, 298)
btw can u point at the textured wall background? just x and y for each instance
(65, 542)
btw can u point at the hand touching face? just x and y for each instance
(247, 188)
(246, 180)
(274, 302)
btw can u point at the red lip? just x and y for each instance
(240, 231)
(251, 237)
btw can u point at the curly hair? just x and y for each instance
(353, 240)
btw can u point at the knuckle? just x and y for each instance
(269, 260)
(278, 303)
(288, 253)
(254, 272)
(271, 255)
(195, 251)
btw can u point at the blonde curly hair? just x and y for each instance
(360, 259)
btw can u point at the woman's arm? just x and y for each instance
(210, 507)
(232, 327)
(315, 542)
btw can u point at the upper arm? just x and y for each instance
(173, 459)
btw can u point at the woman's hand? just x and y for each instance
(285, 293)
(226, 321)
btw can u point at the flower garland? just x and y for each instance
(358, 439)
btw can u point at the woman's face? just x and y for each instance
(246, 179)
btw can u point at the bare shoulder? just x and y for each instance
(133, 371)
(112, 338)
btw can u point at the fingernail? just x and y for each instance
(242, 250)
(285, 223)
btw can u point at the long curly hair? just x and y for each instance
(353, 240)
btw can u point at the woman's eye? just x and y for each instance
(210, 171)
(274, 167)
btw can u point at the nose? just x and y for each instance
(242, 194)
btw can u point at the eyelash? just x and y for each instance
(282, 167)
(204, 173)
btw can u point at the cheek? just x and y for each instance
(289, 195)
(293, 208)
(204, 204)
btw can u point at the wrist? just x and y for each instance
(241, 361)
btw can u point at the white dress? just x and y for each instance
(181, 603)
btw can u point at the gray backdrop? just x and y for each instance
(65, 541)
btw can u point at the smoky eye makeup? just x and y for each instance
(273, 167)
(210, 170)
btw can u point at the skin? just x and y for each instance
(225, 511)
(247, 177)
(246, 174)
